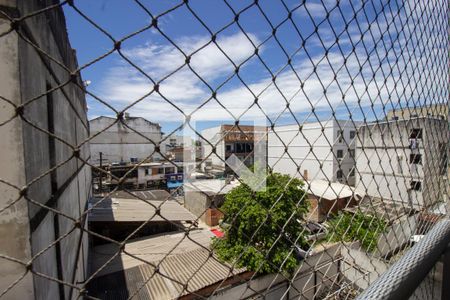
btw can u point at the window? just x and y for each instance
(395, 118)
(160, 170)
(173, 178)
(415, 158)
(240, 148)
(340, 154)
(351, 153)
(341, 136)
(351, 172)
(352, 134)
(228, 148)
(416, 185)
(147, 171)
(180, 177)
(413, 144)
(416, 133)
(339, 174)
(170, 170)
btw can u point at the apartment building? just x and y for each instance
(159, 175)
(127, 141)
(44, 186)
(404, 160)
(239, 140)
(319, 150)
(438, 110)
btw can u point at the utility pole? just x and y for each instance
(101, 173)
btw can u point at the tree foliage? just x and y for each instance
(348, 227)
(264, 225)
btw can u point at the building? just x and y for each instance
(319, 150)
(328, 198)
(169, 142)
(181, 154)
(204, 198)
(438, 110)
(404, 160)
(159, 175)
(164, 174)
(129, 140)
(118, 216)
(230, 140)
(36, 166)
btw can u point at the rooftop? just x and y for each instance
(153, 248)
(418, 118)
(387, 209)
(135, 210)
(146, 195)
(188, 262)
(330, 190)
(211, 186)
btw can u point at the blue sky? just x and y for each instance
(118, 83)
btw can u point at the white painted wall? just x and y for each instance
(311, 148)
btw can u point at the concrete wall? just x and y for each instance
(314, 276)
(120, 142)
(14, 228)
(383, 156)
(319, 161)
(397, 235)
(359, 268)
(36, 154)
(198, 203)
(320, 209)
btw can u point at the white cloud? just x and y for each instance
(376, 82)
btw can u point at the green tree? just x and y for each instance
(365, 228)
(277, 209)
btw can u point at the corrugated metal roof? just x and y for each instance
(329, 190)
(146, 195)
(152, 248)
(135, 210)
(194, 269)
(187, 273)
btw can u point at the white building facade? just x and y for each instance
(128, 142)
(319, 150)
(404, 161)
